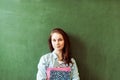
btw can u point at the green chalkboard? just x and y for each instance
(92, 25)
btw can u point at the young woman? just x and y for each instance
(58, 57)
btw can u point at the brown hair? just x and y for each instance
(66, 50)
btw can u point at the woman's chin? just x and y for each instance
(58, 49)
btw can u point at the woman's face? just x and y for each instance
(57, 41)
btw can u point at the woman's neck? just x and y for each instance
(59, 54)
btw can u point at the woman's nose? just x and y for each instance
(57, 42)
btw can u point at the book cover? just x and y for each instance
(58, 73)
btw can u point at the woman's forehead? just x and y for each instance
(56, 35)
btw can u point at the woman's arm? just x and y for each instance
(75, 73)
(41, 74)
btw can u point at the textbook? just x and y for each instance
(58, 73)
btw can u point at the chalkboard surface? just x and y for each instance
(92, 25)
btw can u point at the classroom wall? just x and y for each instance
(92, 25)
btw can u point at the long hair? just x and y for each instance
(66, 55)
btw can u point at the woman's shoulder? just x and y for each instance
(46, 55)
(45, 58)
(73, 60)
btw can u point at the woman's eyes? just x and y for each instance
(54, 40)
(58, 40)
